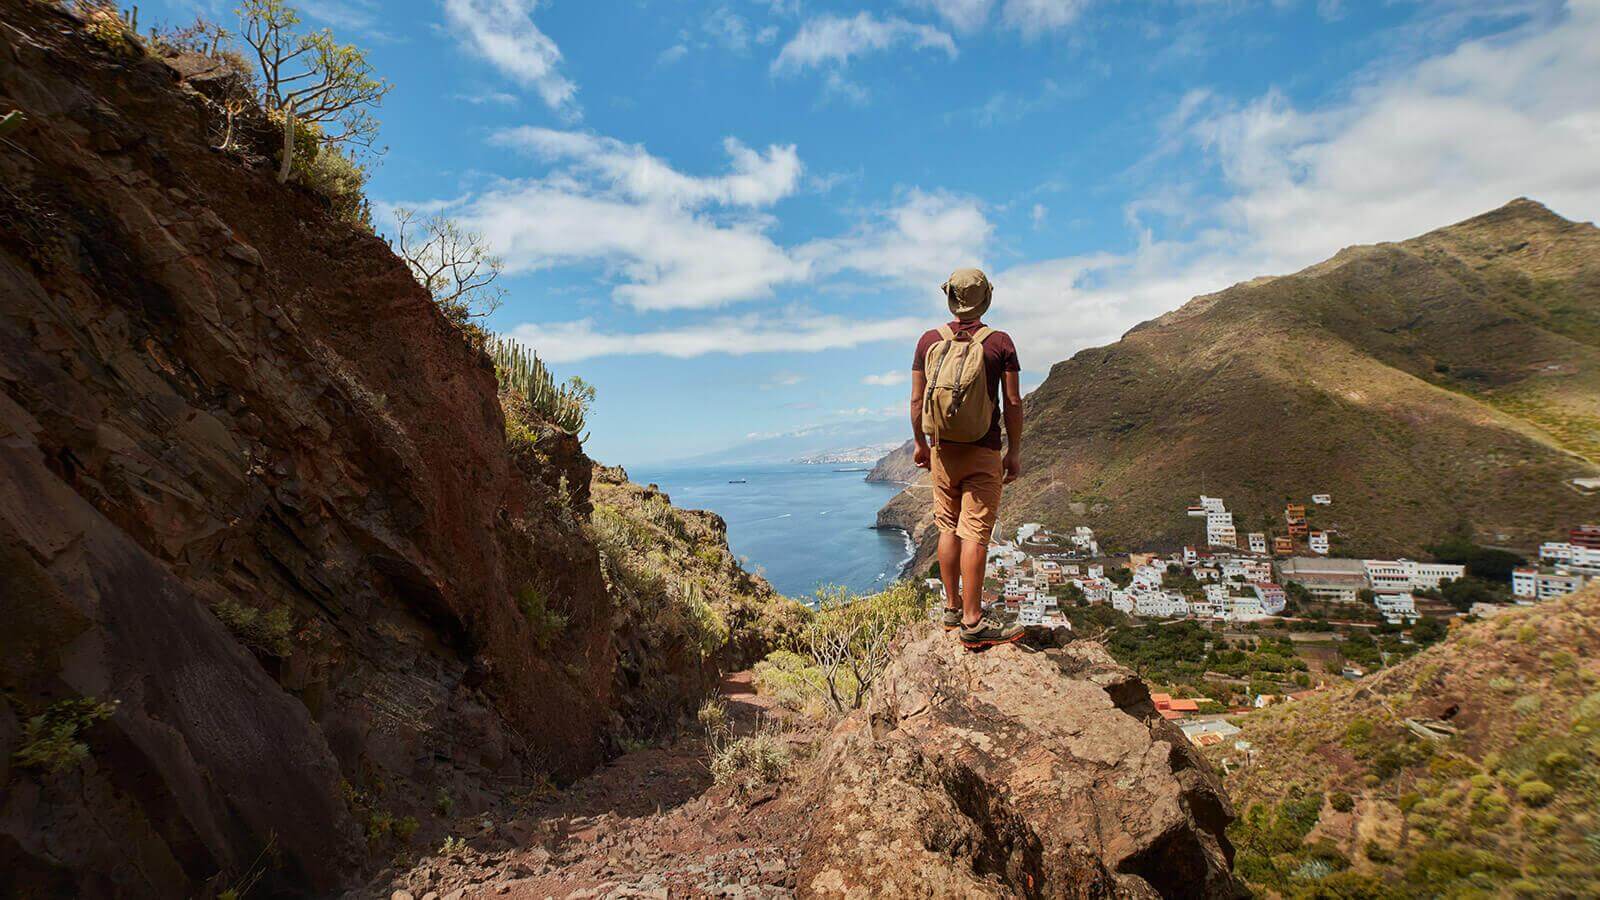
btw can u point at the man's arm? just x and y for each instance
(919, 384)
(1010, 384)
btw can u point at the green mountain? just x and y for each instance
(1449, 381)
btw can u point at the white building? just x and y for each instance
(1573, 556)
(1396, 608)
(1258, 542)
(1273, 597)
(1403, 575)
(1027, 530)
(1096, 571)
(1536, 584)
(1525, 581)
(1322, 499)
(1318, 541)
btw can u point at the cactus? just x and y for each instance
(519, 369)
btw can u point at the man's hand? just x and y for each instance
(1013, 466)
(920, 456)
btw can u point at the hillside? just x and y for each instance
(1448, 381)
(897, 466)
(1338, 796)
(278, 590)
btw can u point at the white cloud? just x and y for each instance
(834, 40)
(1455, 135)
(1038, 214)
(562, 342)
(672, 54)
(918, 242)
(665, 256)
(757, 178)
(1035, 17)
(503, 33)
(963, 15)
(887, 379)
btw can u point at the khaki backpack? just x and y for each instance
(957, 406)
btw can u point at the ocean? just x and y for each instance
(801, 526)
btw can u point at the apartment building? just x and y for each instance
(1398, 576)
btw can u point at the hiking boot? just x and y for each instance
(987, 632)
(952, 619)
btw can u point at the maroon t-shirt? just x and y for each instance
(999, 355)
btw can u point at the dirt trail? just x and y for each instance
(650, 823)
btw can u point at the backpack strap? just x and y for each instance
(946, 333)
(982, 334)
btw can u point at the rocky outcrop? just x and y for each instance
(911, 511)
(1014, 772)
(897, 466)
(255, 490)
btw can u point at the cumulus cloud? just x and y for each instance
(671, 240)
(665, 256)
(562, 342)
(916, 242)
(834, 40)
(502, 33)
(756, 178)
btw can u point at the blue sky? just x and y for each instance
(733, 217)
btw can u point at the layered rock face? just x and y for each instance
(1014, 772)
(255, 490)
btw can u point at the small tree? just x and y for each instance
(454, 263)
(310, 79)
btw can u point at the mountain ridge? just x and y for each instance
(1435, 385)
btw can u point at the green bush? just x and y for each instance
(792, 681)
(1535, 793)
(265, 632)
(1378, 853)
(1341, 802)
(752, 761)
(545, 623)
(50, 740)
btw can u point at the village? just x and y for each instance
(1302, 614)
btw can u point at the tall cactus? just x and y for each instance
(519, 369)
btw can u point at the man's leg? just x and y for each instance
(973, 556)
(950, 568)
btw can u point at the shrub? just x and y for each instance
(752, 761)
(50, 740)
(106, 23)
(705, 626)
(1378, 853)
(265, 632)
(544, 622)
(792, 681)
(1341, 801)
(848, 639)
(1535, 793)
(1527, 704)
(340, 179)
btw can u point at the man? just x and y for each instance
(957, 434)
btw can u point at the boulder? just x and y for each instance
(1018, 771)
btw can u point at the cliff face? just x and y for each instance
(255, 490)
(897, 466)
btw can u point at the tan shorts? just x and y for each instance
(966, 490)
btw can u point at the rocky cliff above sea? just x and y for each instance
(275, 588)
